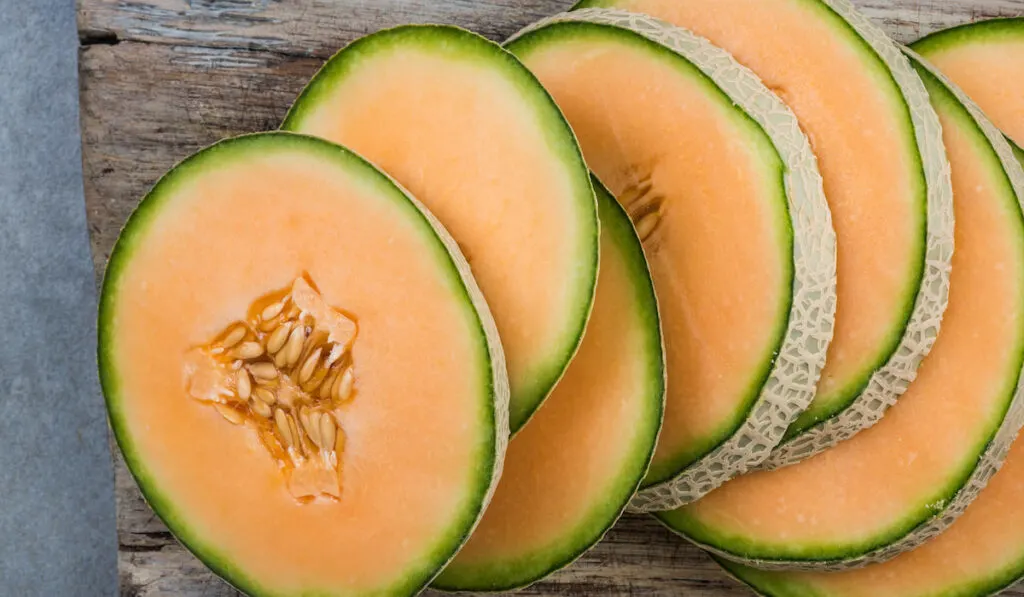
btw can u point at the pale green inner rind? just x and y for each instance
(745, 547)
(828, 405)
(982, 32)
(772, 163)
(504, 575)
(147, 215)
(528, 392)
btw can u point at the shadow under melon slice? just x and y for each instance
(722, 187)
(853, 92)
(468, 130)
(352, 457)
(892, 487)
(570, 473)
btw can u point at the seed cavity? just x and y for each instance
(283, 372)
(644, 205)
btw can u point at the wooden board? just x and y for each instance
(162, 78)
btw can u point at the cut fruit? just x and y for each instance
(896, 485)
(983, 551)
(571, 472)
(892, 209)
(465, 127)
(723, 189)
(986, 60)
(282, 487)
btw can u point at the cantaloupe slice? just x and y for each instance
(465, 127)
(891, 209)
(351, 457)
(983, 551)
(724, 191)
(986, 60)
(572, 470)
(896, 485)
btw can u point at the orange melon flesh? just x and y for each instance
(721, 255)
(983, 551)
(460, 123)
(986, 60)
(877, 198)
(230, 224)
(875, 488)
(569, 474)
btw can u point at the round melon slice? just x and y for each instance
(983, 551)
(986, 60)
(468, 130)
(570, 473)
(301, 373)
(853, 93)
(723, 189)
(894, 486)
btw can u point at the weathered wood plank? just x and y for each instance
(316, 28)
(162, 78)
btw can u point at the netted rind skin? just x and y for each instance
(889, 382)
(946, 512)
(797, 367)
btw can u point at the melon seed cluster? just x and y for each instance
(644, 207)
(284, 371)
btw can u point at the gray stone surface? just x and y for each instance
(57, 534)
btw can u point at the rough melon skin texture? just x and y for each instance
(983, 551)
(470, 132)
(570, 473)
(723, 188)
(905, 480)
(237, 220)
(892, 209)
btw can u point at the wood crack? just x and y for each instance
(100, 37)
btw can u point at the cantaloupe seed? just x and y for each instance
(308, 385)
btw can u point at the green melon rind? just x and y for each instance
(788, 386)
(863, 401)
(991, 29)
(495, 387)
(537, 385)
(866, 405)
(522, 572)
(937, 511)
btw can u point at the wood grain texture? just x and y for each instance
(163, 78)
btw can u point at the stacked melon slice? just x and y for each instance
(317, 344)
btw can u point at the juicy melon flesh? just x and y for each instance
(569, 474)
(461, 124)
(877, 198)
(241, 219)
(877, 486)
(986, 60)
(658, 132)
(983, 551)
